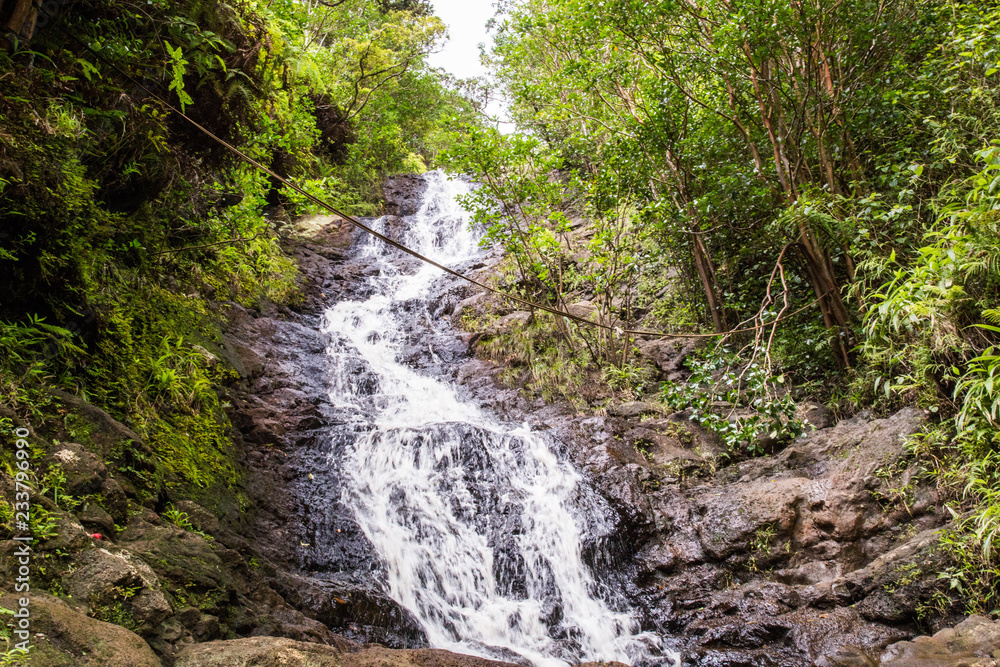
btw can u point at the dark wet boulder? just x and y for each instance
(893, 586)
(354, 608)
(672, 446)
(199, 517)
(247, 361)
(403, 194)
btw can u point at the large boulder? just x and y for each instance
(973, 643)
(65, 637)
(278, 652)
(118, 587)
(318, 229)
(352, 606)
(189, 566)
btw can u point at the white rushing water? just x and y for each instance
(474, 520)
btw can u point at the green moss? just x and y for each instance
(79, 429)
(113, 607)
(115, 612)
(905, 574)
(196, 450)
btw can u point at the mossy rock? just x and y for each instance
(65, 637)
(275, 652)
(196, 572)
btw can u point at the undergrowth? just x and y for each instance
(932, 339)
(542, 363)
(748, 408)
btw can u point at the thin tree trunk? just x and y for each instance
(20, 26)
(824, 283)
(706, 273)
(780, 161)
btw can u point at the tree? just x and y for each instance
(17, 19)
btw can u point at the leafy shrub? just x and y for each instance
(718, 383)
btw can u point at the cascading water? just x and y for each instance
(476, 522)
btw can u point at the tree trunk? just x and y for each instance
(824, 284)
(20, 23)
(706, 273)
(702, 257)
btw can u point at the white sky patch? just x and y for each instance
(466, 21)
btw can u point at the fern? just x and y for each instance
(817, 214)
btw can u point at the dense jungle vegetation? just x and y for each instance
(822, 175)
(120, 223)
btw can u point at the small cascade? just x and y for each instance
(479, 524)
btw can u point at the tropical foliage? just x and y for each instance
(822, 176)
(122, 224)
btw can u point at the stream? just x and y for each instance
(480, 525)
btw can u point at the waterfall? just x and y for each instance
(479, 524)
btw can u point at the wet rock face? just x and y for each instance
(403, 194)
(317, 559)
(808, 556)
(792, 556)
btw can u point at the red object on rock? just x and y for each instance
(96, 536)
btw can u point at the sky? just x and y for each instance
(466, 21)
